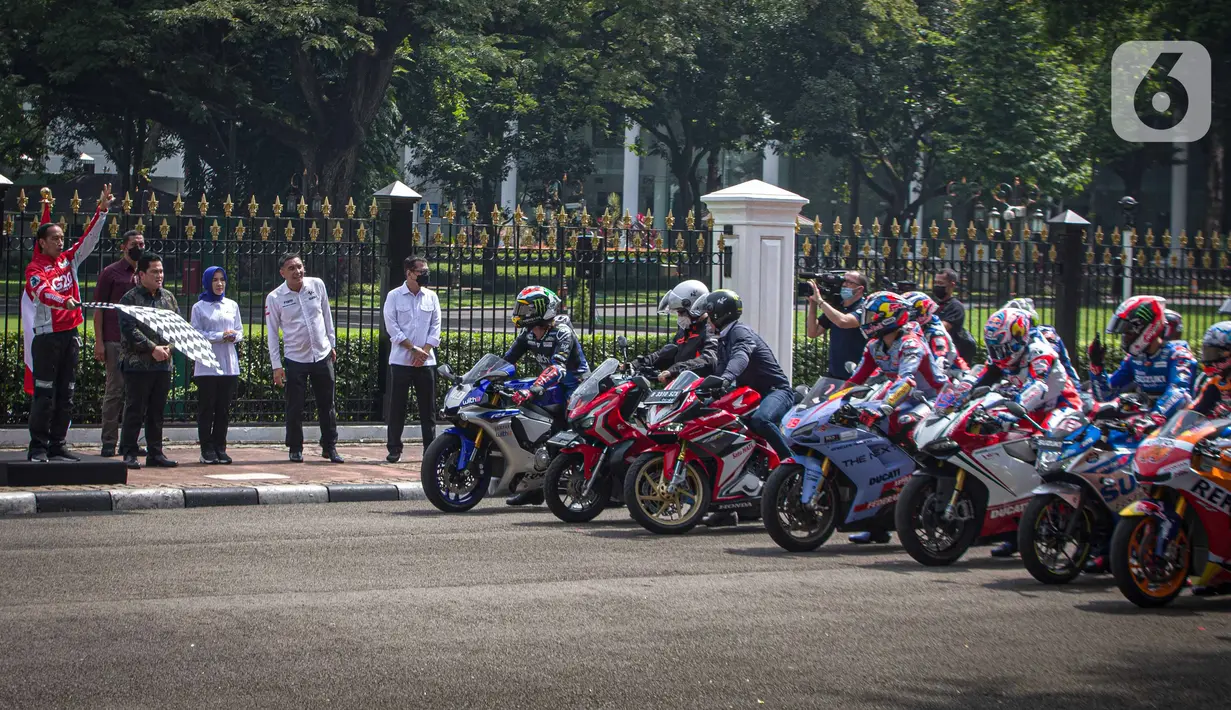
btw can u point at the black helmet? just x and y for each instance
(723, 306)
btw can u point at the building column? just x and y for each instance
(662, 195)
(760, 259)
(629, 199)
(508, 188)
(771, 164)
(1179, 196)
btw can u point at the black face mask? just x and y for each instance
(940, 292)
(135, 253)
(424, 278)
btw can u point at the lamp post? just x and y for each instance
(1128, 207)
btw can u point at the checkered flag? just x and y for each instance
(169, 326)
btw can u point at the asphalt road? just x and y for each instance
(393, 605)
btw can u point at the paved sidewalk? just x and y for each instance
(264, 465)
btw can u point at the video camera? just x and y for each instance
(828, 282)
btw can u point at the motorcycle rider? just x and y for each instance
(1214, 401)
(937, 337)
(1028, 369)
(745, 359)
(1161, 369)
(1047, 333)
(549, 338)
(694, 347)
(897, 348)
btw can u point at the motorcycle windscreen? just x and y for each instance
(684, 381)
(591, 386)
(487, 365)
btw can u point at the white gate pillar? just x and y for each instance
(761, 257)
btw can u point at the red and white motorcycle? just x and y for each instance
(976, 475)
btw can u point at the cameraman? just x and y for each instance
(846, 343)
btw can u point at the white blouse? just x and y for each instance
(211, 319)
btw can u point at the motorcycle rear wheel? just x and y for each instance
(563, 487)
(1041, 541)
(1142, 578)
(443, 481)
(919, 510)
(655, 509)
(793, 526)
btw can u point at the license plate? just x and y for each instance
(662, 397)
(563, 439)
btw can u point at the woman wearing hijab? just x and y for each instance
(217, 319)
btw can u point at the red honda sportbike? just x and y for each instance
(704, 456)
(590, 458)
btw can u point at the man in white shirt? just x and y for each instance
(299, 308)
(412, 319)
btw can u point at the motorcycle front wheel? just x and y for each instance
(794, 526)
(564, 489)
(450, 489)
(1049, 555)
(656, 510)
(925, 534)
(1144, 578)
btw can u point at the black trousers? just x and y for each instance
(215, 394)
(55, 376)
(401, 378)
(298, 374)
(145, 398)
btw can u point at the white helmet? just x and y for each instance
(683, 296)
(1027, 305)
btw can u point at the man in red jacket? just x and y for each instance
(51, 311)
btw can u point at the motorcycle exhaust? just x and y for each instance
(542, 459)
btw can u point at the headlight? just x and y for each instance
(585, 422)
(673, 428)
(454, 399)
(1048, 461)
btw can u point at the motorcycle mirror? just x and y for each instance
(622, 346)
(712, 382)
(980, 392)
(1015, 409)
(850, 367)
(446, 372)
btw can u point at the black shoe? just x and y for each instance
(394, 457)
(131, 461)
(62, 455)
(720, 519)
(296, 457)
(879, 537)
(1008, 548)
(534, 497)
(333, 456)
(108, 451)
(223, 458)
(160, 461)
(208, 455)
(37, 456)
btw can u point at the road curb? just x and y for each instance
(130, 499)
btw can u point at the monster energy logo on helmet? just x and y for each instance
(535, 306)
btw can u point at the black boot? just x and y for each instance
(208, 455)
(719, 519)
(221, 454)
(60, 453)
(534, 497)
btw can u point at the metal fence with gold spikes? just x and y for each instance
(1193, 272)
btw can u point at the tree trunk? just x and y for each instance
(1215, 180)
(711, 173)
(855, 183)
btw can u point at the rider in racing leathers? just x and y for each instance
(937, 337)
(1161, 369)
(1047, 333)
(895, 346)
(550, 340)
(694, 348)
(1029, 370)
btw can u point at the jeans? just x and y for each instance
(401, 378)
(321, 375)
(113, 395)
(774, 405)
(55, 371)
(216, 393)
(145, 398)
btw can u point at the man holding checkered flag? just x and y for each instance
(145, 359)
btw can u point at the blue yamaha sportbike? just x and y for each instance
(491, 447)
(842, 475)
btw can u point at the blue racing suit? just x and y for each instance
(558, 353)
(1166, 377)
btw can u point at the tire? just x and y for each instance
(1038, 527)
(440, 461)
(565, 478)
(921, 504)
(639, 489)
(1136, 583)
(785, 517)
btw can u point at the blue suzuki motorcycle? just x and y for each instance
(491, 447)
(842, 475)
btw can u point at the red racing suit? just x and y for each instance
(907, 361)
(1039, 382)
